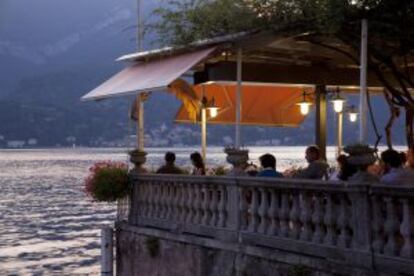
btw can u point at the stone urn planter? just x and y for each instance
(238, 158)
(361, 156)
(138, 158)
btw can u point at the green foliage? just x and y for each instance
(112, 184)
(108, 181)
(153, 246)
(183, 22)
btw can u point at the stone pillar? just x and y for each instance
(138, 158)
(238, 158)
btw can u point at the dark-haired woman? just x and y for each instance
(198, 163)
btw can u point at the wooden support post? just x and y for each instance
(320, 124)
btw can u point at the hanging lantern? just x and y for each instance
(304, 105)
(353, 114)
(210, 106)
(338, 102)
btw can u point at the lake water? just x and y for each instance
(48, 225)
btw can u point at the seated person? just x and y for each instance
(317, 168)
(394, 172)
(268, 163)
(198, 164)
(345, 170)
(169, 167)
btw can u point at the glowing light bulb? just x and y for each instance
(213, 112)
(338, 105)
(353, 116)
(304, 107)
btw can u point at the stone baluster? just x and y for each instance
(206, 200)
(407, 229)
(329, 220)
(191, 203)
(244, 212)
(175, 202)
(213, 206)
(391, 228)
(305, 217)
(232, 196)
(317, 219)
(273, 214)
(156, 202)
(377, 225)
(284, 214)
(263, 210)
(198, 204)
(294, 216)
(222, 206)
(135, 205)
(143, 197)
(138, 198)
(152, 200)
(343, 222)
(148, 199)
(254, 216)
(168, 200)
(164, 197)
(183, 202)
(180, 206)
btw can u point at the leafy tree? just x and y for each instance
(390, 44)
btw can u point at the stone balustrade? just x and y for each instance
(364, 225)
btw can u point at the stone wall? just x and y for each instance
(144, 251)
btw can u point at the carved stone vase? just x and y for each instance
(238, 158)
(138, 158)
(361, 156)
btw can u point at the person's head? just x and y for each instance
(170, 157)
(312, 154)
(342, 161)
(346, 170)
(391, 159)
(197, 160)
(268, 161)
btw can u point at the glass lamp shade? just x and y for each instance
(304, 107)
(213, 111)
(353, 116)
(338, 104)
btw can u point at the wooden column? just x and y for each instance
(320, 124)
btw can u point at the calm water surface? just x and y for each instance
(48, 225)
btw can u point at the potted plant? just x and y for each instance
(107, 181)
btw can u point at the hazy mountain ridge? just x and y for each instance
(43, 77)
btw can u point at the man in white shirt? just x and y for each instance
(394, 172)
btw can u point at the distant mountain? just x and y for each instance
(53, 52)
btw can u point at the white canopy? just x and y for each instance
(147, 76)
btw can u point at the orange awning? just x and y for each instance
(262, 104)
